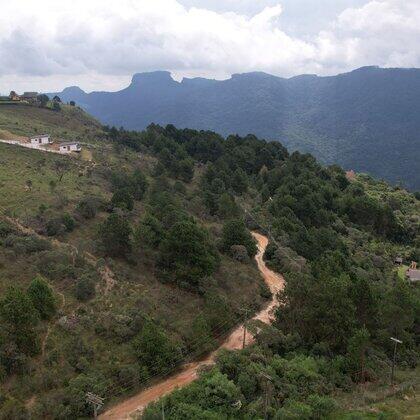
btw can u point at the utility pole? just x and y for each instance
(245, 328)
(163, 410)
(268, 379)
(96, 401)
(396, 341)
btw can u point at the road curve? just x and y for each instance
(189, 371)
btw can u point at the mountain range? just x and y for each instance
(367, 120)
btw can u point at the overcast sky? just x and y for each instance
(46, 45)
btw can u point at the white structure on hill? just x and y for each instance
(41, 139)
(70, 147)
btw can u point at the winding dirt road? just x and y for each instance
(189, 372)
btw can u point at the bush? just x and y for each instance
(322, 407)
(239, 253)
(89, 207)
(154, 349)
(27, 244)
(68, 222)
(114, 235)
(85, 288)
(56, 265)
(123, 199)
(42, 298)
(236, 233)
(55, 227)
(6, 229)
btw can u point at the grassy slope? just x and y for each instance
(136, 288)
(71, 123)
(379, 400)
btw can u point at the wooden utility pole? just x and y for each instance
(268, 379)
(163, 410)
(245, 328)
(96, 401)
(396, 341)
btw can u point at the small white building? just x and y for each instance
(41, 139)
(70, 147)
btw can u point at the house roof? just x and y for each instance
(413, 275)
(69, 143)
(39, 135)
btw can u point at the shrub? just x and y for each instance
(154, 349)
(89, 206)
(236, 233)
(42, 297)
(54, 227)
(114, 235)
(85, 288)
(6, 229)
(123, 199)
(68, 222)
(27, 244)
(239, 253)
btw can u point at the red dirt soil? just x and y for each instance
(189, 372)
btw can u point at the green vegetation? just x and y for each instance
(139, 255)
(101, 259)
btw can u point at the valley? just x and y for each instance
(121, 276)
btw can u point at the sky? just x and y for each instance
(46, 45)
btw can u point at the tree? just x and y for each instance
(240, 181)
(85, 288)
(56, 106)
(20, 318)
(114, 235)
(43, 100)
(227, 207)
(356, 349)
(187, 254)
(56, 99)
(154, 349)
(123, 199)
(72, 103)
(61, 166)
(149, 232)
(236, 233)
(42, 297)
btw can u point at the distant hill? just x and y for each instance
(367, 120)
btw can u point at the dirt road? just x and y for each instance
(188, 372)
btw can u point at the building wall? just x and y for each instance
(44, 140)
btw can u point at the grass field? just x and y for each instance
(19, 165)
(380, 401)
(71, 123)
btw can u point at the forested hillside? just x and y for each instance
(366, 120)
(115, 271)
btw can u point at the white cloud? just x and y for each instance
(101, 42)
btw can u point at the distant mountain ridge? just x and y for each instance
(367, 120)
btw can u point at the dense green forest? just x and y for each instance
(366, 120)
(335, 243)
(168, 213)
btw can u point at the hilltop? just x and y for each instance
(366, 120)
(70, 123)
(117, 270)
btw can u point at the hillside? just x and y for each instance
(71, 123)
(366, 120)
(116, 271)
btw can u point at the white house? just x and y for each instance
(70, 147)
(41, 139)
